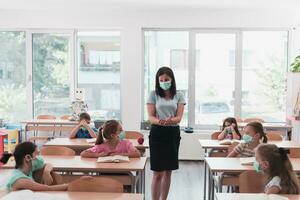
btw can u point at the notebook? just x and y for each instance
(229, 142)
(113, 159)
(91, 140)
(247, 160)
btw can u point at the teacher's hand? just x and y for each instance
(170, 121)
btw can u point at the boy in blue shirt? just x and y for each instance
(83, 130)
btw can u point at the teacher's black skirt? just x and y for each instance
(164, 145)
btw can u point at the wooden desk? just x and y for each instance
(214, 144)
(89, 195)
(48, 125)
(233, 165)
(245, 196)
(79, 145)
(78, 164)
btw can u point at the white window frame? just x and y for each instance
(191, 66)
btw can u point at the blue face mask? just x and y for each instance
(83, 128)
(122, 135)
(257, 167)
(247, 138)
(228, 130)
(165, 85)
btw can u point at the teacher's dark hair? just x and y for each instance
(168, 71)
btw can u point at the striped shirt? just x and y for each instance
(243, 150)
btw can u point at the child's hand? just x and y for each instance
(47, 178)
(103, 154)
(233, 125)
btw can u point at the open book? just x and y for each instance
(247, 160)
(92, 140)
(115, 159)
(229, 142)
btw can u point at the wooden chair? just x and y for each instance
(215, 135)
(238, 119)
(96, 184)
(46, 128)
(294, 153)
(57, 151)
(38, 177)
(64, 117)
(231, 147)
(274, 135)
(247, 120)
(133, 135)
(247, 180)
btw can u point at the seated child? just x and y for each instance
(83, 130)
(230, 130)
(276, 166)
(110, 141)
(28, 161)
(254, 132)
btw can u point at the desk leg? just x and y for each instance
(205, 169)
(25, 133)
(143, 181)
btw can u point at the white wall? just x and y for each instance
(131, 24)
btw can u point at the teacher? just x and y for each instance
(165, 109)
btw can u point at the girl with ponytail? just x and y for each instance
(253, 136)
(110, 141)
(277, 168)
(27, 161)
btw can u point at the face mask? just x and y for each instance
(228, 130)
(37, 163)
(247, 138)
(83, 129)
(257, 167)
(165, 85)
(122, 135)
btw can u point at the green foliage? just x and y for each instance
(295, 66)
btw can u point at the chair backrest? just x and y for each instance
(65, 117)
(133, 135)
(96, 184)
(46, 117)
(247, 120)
(215, 135)
(274, 135)
(57, 151)
(294, 153)
(251, 182)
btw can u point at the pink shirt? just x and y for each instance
(124, 146)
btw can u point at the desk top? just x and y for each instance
(49, 122)
(245, 196)
(266, 125)
(224, 164)
(78, 164)
(214, 144)
(82, 195)
(82, 143)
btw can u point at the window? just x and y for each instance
(13, 103)
(264, 75)
(51, 73)
(219, 71)
(166, 49)
(214, 82)
(99, 72)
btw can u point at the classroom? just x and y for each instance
(150, 99)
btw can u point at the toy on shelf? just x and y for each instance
(78, 105)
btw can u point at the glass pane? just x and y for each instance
(51, 73)
(215, 75)
(166, 48)
(13, 103)
(99, 72)
(264, 75)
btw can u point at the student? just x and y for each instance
(110, 141)
(28, 161)
(275, 164)
(254, 132)
(230, 130)
(83, 130)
